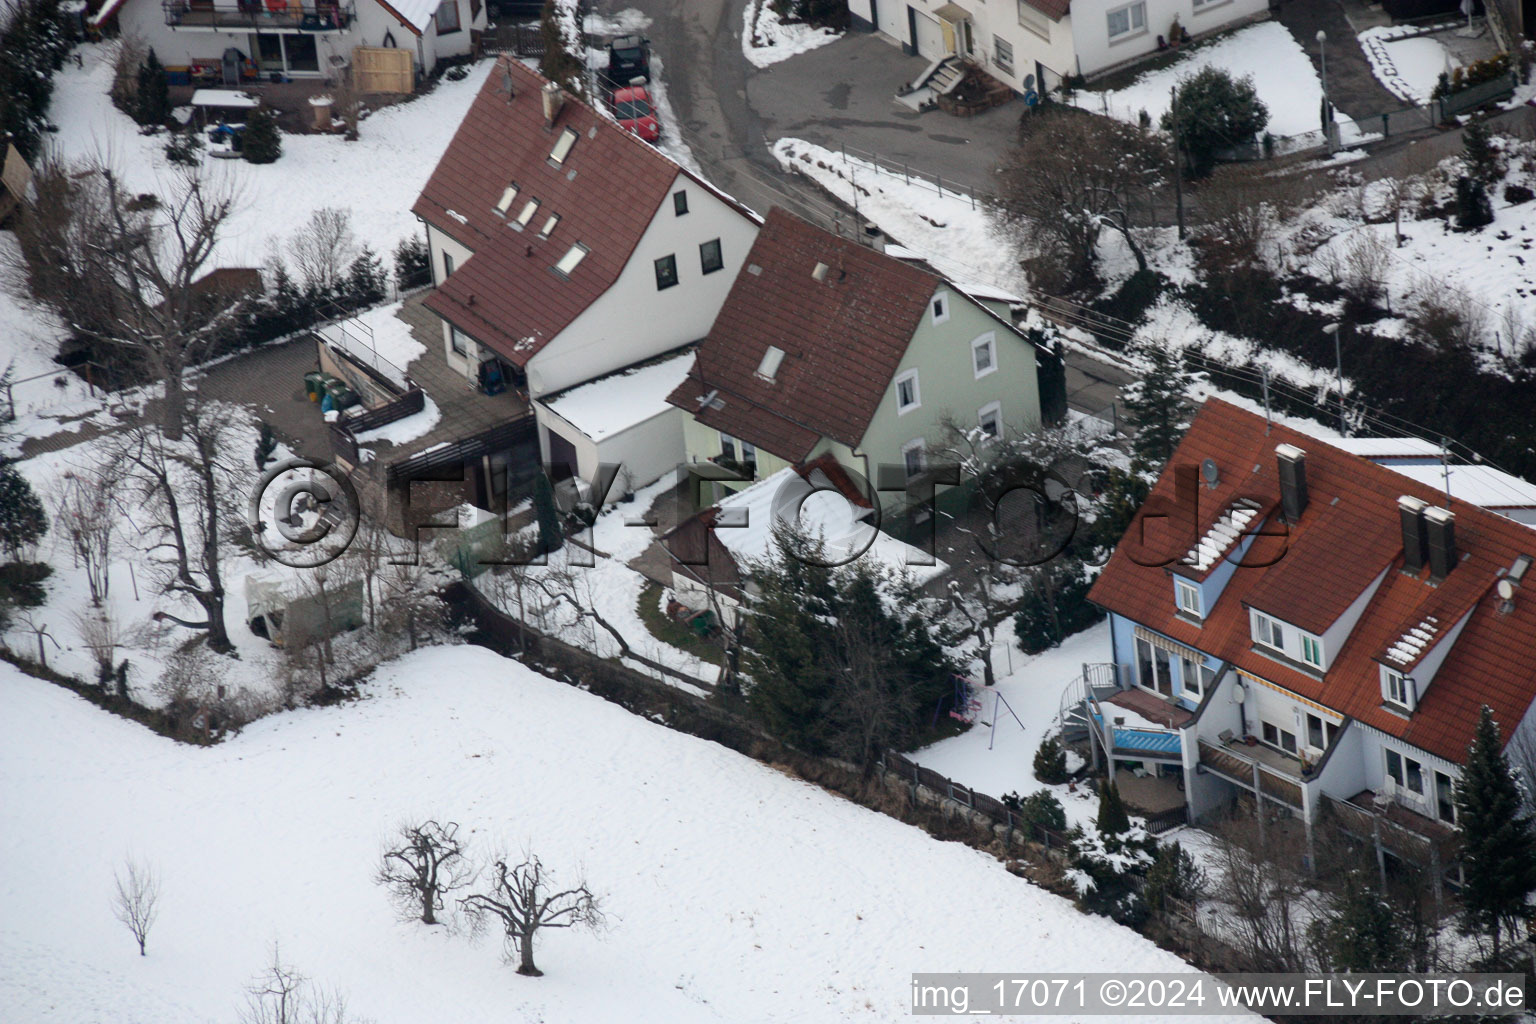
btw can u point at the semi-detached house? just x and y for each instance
(1314, 629)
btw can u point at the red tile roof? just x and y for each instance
(842, 339)
(1348, 535)
(508, 294)
(1053, 9)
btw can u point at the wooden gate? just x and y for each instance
(382, 69)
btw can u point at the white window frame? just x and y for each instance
(987, 342)
(768, 366)
(994, 410)
(571, 260)
(1184, 588)
(526, 214)
(561, 150)
(1034, 20)
(550, 225)
(1189, 676)
(919, 447)
(1264, 629)
(508, 197)
(1446, 810)
(458, 340)
(1402, 698)
(1404, 784)
(1309, 643)
(458, 18)
(917, 392)
(999, 45)
(1278, 743)
(447, 264)
(939, 308)
(1131, 11)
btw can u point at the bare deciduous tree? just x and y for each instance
(137, 900)
(323, 249)
(189, 489)
(119, 268)
(422, 863)
(280, 994)
(521, 903)
(1073, 176)
(86, 513)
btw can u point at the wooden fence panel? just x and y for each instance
(383, 69)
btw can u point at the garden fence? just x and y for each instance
(945, 188)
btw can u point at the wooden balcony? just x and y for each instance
(1276, 780)
(259, 16)
(1403, 831)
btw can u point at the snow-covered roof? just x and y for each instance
(1477, 485)
(1224, 532)
(746, 520)
(986, 292)
(1386, 447)
(417, 14)
(612, 404)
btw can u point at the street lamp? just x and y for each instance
(1326, 113)
(1338, 358)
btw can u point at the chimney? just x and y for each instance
(1293, 481)
(1440, 524)
(1410, 511)
(553, 98)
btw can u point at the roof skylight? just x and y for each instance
(530, 208)
(573, 256)
(563, 146)
(769, 367)
(505, 202)
(549, 225)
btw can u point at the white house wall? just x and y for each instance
(440, 245)
(633, 321)
(1090, 27)
(1374, 764)
(145, 19)
(646, 450)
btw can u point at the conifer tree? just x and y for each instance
(262, 142)
(1363, 934)
(1112, 819)
(1157, 404)
(22, 519)
(1499, 842)
(152, 99)
(1481, 157)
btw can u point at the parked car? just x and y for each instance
(634, 110)
(629, 57)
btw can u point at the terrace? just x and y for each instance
(259, 16)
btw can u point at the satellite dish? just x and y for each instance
(1506, 590)
(1239, 693)
(1210, 472)
(1029, 82)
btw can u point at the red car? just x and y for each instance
(632, 106)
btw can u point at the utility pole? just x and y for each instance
(1178, 162)
(1264, 383)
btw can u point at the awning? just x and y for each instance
(1249, 677)
(952, 13)
(1171, 646)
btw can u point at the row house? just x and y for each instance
(1293, 622)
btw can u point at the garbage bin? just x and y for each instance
(321, 105)
(314, 383)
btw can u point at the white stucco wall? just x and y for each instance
(646, 450)
(440, 245)
(633, 320)
(179, 45)
(1096, 52)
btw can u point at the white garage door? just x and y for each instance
(891, 18)
(930, 37)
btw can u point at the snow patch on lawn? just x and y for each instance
(1407, 67)
(1282, 72)
(766, 39)
(952, 231)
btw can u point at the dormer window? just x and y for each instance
(1188, 597)
(549, 225)
(1397, 688)
(525, 215)
(768, 368)
(505, 202)
(562, 148)
(1268, 632)
(1312, 650)
(571, 259)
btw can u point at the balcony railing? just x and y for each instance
(259, 16)
(1280, 786)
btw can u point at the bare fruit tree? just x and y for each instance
(127, 271)
(137, 900)
(280, 994)
(86, 514)
(520, 902)
(323, 248)
(422, 863)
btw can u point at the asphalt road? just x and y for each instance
(838, 94)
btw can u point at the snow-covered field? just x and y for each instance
(960, 238)
(766, 39)
(376, 178)
(734, 893)
(1407, 67)
(1283, 77)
